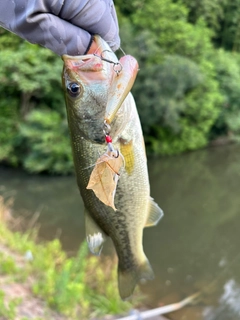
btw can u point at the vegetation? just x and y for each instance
(77, 287)
(187, 90)
(8, 311)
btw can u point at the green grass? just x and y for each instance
(8, 312)
(79, 287)
(8, 265)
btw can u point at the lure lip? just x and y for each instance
(121, 85)
(122, 80)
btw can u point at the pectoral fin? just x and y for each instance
(94, 234)
(155, 214)
(127, 151)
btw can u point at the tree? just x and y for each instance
(31, 94)
(176, 91)
(227, 66)
(229, 35)
(212, 11)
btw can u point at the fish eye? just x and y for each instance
(73, 89)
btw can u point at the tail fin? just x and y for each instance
(128, 279)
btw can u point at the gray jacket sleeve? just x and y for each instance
(63, 26)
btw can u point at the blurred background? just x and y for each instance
(187, 93)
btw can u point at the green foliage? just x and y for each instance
(212, 11)
(185, 91)
(80, 287)
(229, 34)
(126, 7)
(106, 297)
(161, 98)
(62, 283)
(9, 40)
(167, 21)
(30, 69)
(228, 76)
(7, 264)
(177, 95)
(221, 16)
(31, 79)
(44, 135)
(8, 311)
(9, 130)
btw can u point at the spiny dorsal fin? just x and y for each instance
(155, 214)
(94, 234)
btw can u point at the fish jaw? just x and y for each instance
(100, 71)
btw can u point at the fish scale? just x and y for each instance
(86, 112)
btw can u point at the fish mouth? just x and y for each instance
(81, 57)
(84, 63)
(123, 73)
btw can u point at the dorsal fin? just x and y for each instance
(155, 213)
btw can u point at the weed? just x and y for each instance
(79, 287)
(8, 311)
(7, 264)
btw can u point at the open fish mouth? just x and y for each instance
(121, 82)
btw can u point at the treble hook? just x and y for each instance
(106, 128)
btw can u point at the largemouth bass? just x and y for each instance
(88, 84)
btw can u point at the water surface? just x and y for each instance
(196, 245)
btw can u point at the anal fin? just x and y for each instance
(155, 214)
(94, 234)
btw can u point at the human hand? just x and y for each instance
(65, 27)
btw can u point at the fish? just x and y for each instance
(90, 84)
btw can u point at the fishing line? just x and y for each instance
(120, 48)
(117, 67)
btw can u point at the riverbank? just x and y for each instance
(199, 194)
(39, 281)
(17, 301)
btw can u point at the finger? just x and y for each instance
(37, 25)
(96, 16)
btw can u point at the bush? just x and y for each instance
(80, 287)
(9, 129)
(33, 122)
(228, 76)
(44, 135)
(177, 95)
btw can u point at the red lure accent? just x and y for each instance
(108, 139)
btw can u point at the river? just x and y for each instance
(194, 247)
